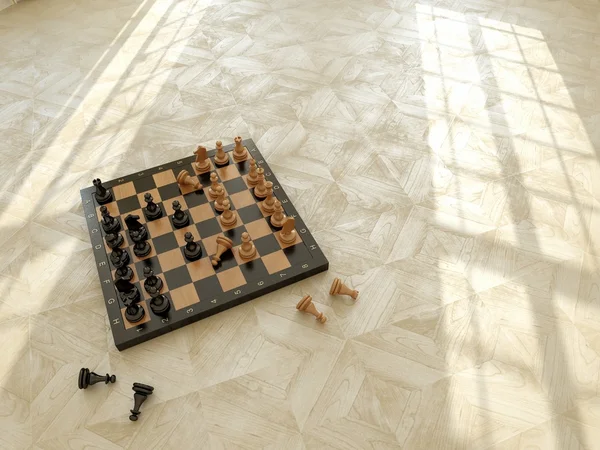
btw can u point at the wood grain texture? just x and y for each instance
(445, 156)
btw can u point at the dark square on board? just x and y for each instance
(297, 254)
(235, 185)
(144, 184)
(244, 166)
(235, 234)
(208, 289)
(250, 213)
(204, 179)
(196, 198)
(227, 262)
(177, 277)
(151, 262)
(169, 191)
(208, 228)
(128, 204)
(266, 245)
(254, 271)
(164, 243)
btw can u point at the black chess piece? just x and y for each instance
(87, 378)
(142, 391)
(124, 273)
(133, 311)
(192, 250)
(142, 246)
(133, 224)
(152, 280)
(114, 240)
(109, 223)
(160, 303)
(180, 218)
(102, 194)
(119, 257)
(127, 290)
(153, 211)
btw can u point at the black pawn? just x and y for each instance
(159, 304)
(153, 211)
(152, 281)
(133, 311)
(124, 273)
(180, 218)
(114, 240)
(109, 223)
(142, 246)
(142, 391)
(87, 378)
(192, 250)
(119, 257)
(102, 194)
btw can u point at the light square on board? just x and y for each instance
(184, 296)
(164, 178)
(231, 278)
(258, 228)
(153, 192)
(200, 269)
(159, 227)
(242, 199)
(124, 190)
(202, 212)
(276, 262)
(283, 244)
(228, 172)
(171, 259)
(112, 207)
(169, 205)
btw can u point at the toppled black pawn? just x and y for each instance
(102, 194)
(180, 218)
(109, 223)
(114, 240)
(119, 257)
(124, 273)
(133, 311)
(153, 211)
(127, 290)
(192, 250)
(87, 378)
(152, 281)
(142, 246)
(160, 303)
(133, 224)
(142, 391)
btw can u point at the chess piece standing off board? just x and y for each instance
(202, 163)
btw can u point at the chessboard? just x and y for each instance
(196, 289)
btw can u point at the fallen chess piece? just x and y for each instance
(288, 232)
(153, 211)
(202, 163)
(87, 378)
(184, 179)
(102, 194)
(223, 244)
(247, 250)
(306, 305)
(142, 391)
(240, 152)
(221, 157)
(338, 288)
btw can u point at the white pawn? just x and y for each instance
(278, 217)
(260, 190)
(220, 198)
(252, 177)
(229, 217)
(221, 157)
(268, 205)
(247, 249)
(214, 184)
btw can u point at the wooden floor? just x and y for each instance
(445, 156)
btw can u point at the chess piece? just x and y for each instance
(221, 157)
(142, 246)
(223, 244)
(142, 391)
(260, 190)
(153, 211)
(288, 232)
(133, 224)
(119, 257)
(338, 288)
(114, 240)
(202, 163)
(151, 281)
(240, 152)
(159, 304)
(229, 217)
(220, 198)
(127, 291)
(87, 378)
(124, 273)
(109, 223)
(181, 218)
(192, 250)
(278, 216)
(133, 311)
(268, 205)
(184, 179)
(305, 304)
(247, 250)
(102, 194)
(252, 178)
(214, 184)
